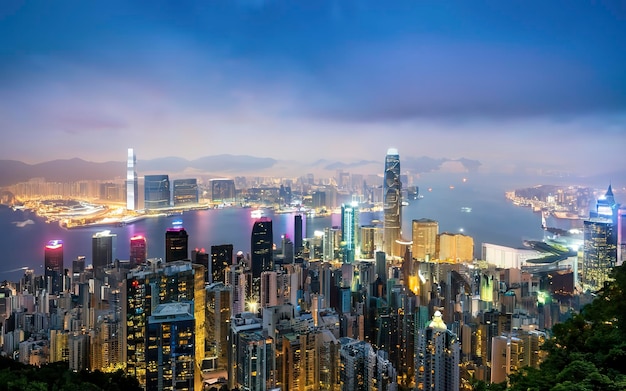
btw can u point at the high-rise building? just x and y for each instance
(621, 235)
(176, 240)
(138, 250)
(425, 233)
(221, 259)
(153, 284)
(357, 365)
(53, 264)
(200, 257)
(507, 356)
(392, 203)
(261, 247)
(455, 247)
(170, 351)
(599, 252)
(600, 241)
(218, 313)
(437, 355)
(103, 249)
(251, 360)
(350, 231)
(156, 191)
(297, 233)
(132, 185)
(222, 190)
(185, 192)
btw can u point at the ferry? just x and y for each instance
(257, 214)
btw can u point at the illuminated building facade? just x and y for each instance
(392, 203)
(103, 249)
(221, 259)
(138, 250)
(170, 350)
(252, 362)
(599, 252)
(156, 283)
(132, 185)
(53, 264)
(357, 365)
(261, 247)
(455, 247)
(297, 233)
(437, 356)
(218, 313)
(350, 232)
(185, 192)
(156, 191)
(176, 244)
(424, 234)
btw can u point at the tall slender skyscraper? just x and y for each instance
(392, 203)
(425, 233)
(138, 250)
(261, 247)
(297, 233)
(221, 259)
(132, 187)
(437, 357)
(349, 231)
(53, 263)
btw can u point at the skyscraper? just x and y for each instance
(261, 247)
(437, 357)
(185, 191)
(138, 250)
(132, 185)
(176, 249)
(103, 249)
(297, 233)
(221, 259)
(600, 245)
(350, 231)
(392, 203)
(53, 263)
(156, 191)
(425, 233)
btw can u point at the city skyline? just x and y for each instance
(510, 85)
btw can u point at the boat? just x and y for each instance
(256, 214)
(565, 215)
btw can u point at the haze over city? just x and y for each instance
(508, 84)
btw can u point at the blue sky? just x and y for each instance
(507, 83)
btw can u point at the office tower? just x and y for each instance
(103, 249)
(381, 266)
(156, 191)
(53, 264)
(201, 257)
(350, 231)
(148, 286)
(261, 247)
(392, 203)
(222, 191)
(599, 252)
(138, 250)
(297, 233)
(106, 344)
(425, 233)
(299, 361)
(437, 355)
(455, 247)
(176, 239)
(132, 185)
(170, 353)
(185, 192)
(368, 236)
(221, 259)
(236, 279)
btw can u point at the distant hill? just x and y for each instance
(59, 170)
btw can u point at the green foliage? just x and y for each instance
(57, 377)
(588, 351)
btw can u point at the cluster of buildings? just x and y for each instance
(356, 307)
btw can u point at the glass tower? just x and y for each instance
(157, 191)
(103, 249)
(132, 188)
(176, 247)
(392, 188)
(138, 250)
(53, 263)
(350, 231)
